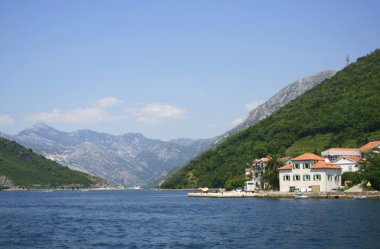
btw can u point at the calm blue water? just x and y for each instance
(169, 219)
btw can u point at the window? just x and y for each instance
(296, 177)
(296, 166)
(286, 178)
(329, 177)
(350, 168)
(317, 177)
(336, 178)
(306, 166)
(306, 177)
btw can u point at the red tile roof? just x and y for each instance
(354, 158)
(288, 166)
(343, 149)
(307, 157)
(248, 170)
(369, 146)
(324, 165)
(266, 159)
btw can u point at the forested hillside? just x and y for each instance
(342, 111)
(29, 170)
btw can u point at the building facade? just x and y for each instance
(309, 172)
(334, 154)
(255, 172)
(348, 163)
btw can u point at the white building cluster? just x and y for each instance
(310, 172)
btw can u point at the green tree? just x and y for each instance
(355, 177)
(271, 173)
(236, 182)
(371, 171)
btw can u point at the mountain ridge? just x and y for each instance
(128, 159)
(342, 111)
(26, 169)
(280, 99)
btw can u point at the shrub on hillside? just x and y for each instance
(355, 177)
(372, 169)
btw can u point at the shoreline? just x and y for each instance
(370, 195)
(59, 189)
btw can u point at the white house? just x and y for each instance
(254, 173)
(309, 172)
(348, 163)
(334, 154)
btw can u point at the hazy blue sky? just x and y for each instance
(166, 69)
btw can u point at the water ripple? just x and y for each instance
(165, 219)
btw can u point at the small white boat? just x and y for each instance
(360, 197)
(301, 197)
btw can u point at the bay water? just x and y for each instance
(169, 219)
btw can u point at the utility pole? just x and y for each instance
(347, 60)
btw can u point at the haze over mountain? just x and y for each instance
(280, 99)
(129, 159)
(132, 159)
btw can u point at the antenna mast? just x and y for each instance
(347, 60)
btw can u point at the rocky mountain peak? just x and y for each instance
(282, 98)
(39, 126)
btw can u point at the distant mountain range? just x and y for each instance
(21, 167)
(133, 159)
(129, 159)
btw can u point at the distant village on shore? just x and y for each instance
(310, 172)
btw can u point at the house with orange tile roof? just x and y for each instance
(309, 172)
(334, 154)
(374, 145)
(254, 173)
(248, 173)
(258, 169)
(348, 163)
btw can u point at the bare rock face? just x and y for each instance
(133, 159)
(282, 98)
(128, 160)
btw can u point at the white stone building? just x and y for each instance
(309, 172)
(348, 163)
(334, 154)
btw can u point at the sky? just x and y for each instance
(167, 69)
